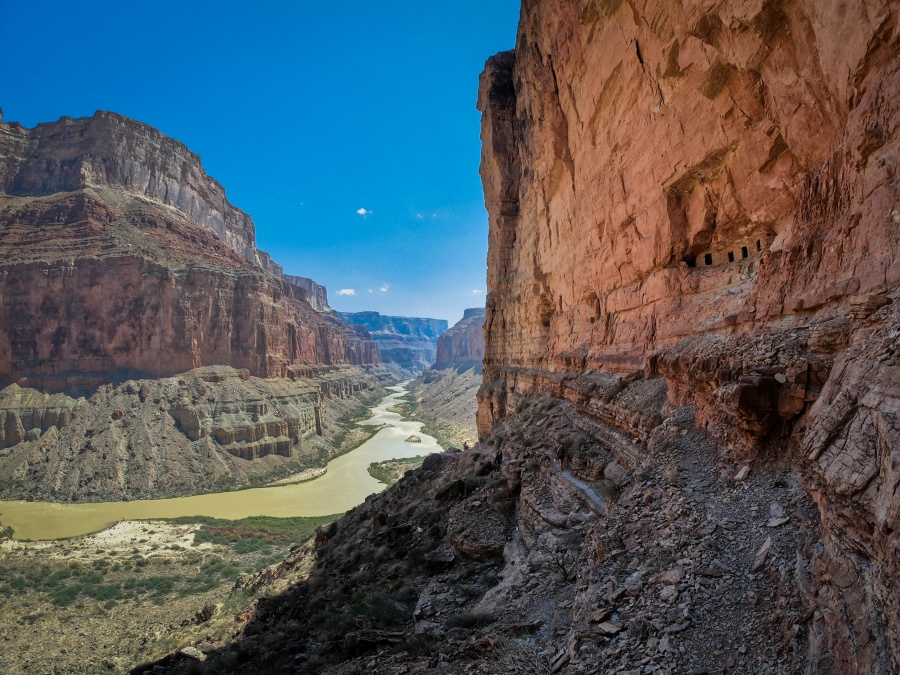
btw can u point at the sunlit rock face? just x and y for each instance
(117, 152)
(316, 294)
(408, 342)
(120, 254)
(464, 342)
(706, 193)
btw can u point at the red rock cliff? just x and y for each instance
(119, 253)
(707, 193)
(464, 342)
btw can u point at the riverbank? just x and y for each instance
(345, 484)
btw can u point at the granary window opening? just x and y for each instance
(730, 256)
(744, 252)
(707, 259)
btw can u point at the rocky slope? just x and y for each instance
(408, 342)
(121, 261)
(692, 292)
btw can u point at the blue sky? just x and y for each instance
(347, 131)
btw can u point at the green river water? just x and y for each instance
(346, 484)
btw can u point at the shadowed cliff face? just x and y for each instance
(707, 195)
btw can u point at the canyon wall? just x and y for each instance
(114, 151)
(704, 196)
(463, 342)
(121, 255)
(316, 294)
(408, 342)
(445, 394)
(122, 261)
(205, 430)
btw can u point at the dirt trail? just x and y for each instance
(593, 501)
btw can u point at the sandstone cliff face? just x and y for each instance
(316, 294)
(622, 148)
(115, 151)
(409, 342)
(705, 196)
(463, 342)
(121, 255)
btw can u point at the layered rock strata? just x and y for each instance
(463, 342)
(121, 255)
(704, 196)
(408, 342)
(172, 436)
(316, 294)
(123, 262)
(114, 151)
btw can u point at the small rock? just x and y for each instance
(713, 572)
(777, 522)
(609, 628)
(761, 554)
(669, 593)
(600, 615)
(742, 473)
(673, 576)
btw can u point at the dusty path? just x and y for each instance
(593, 501)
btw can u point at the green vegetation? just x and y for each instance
(392, 470)
(257, 533)
(63, 583)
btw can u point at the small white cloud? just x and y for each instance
(363, 212)
(346, 291)
(371, 291)
(419, 216)
(385, 288)
(477, 292)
